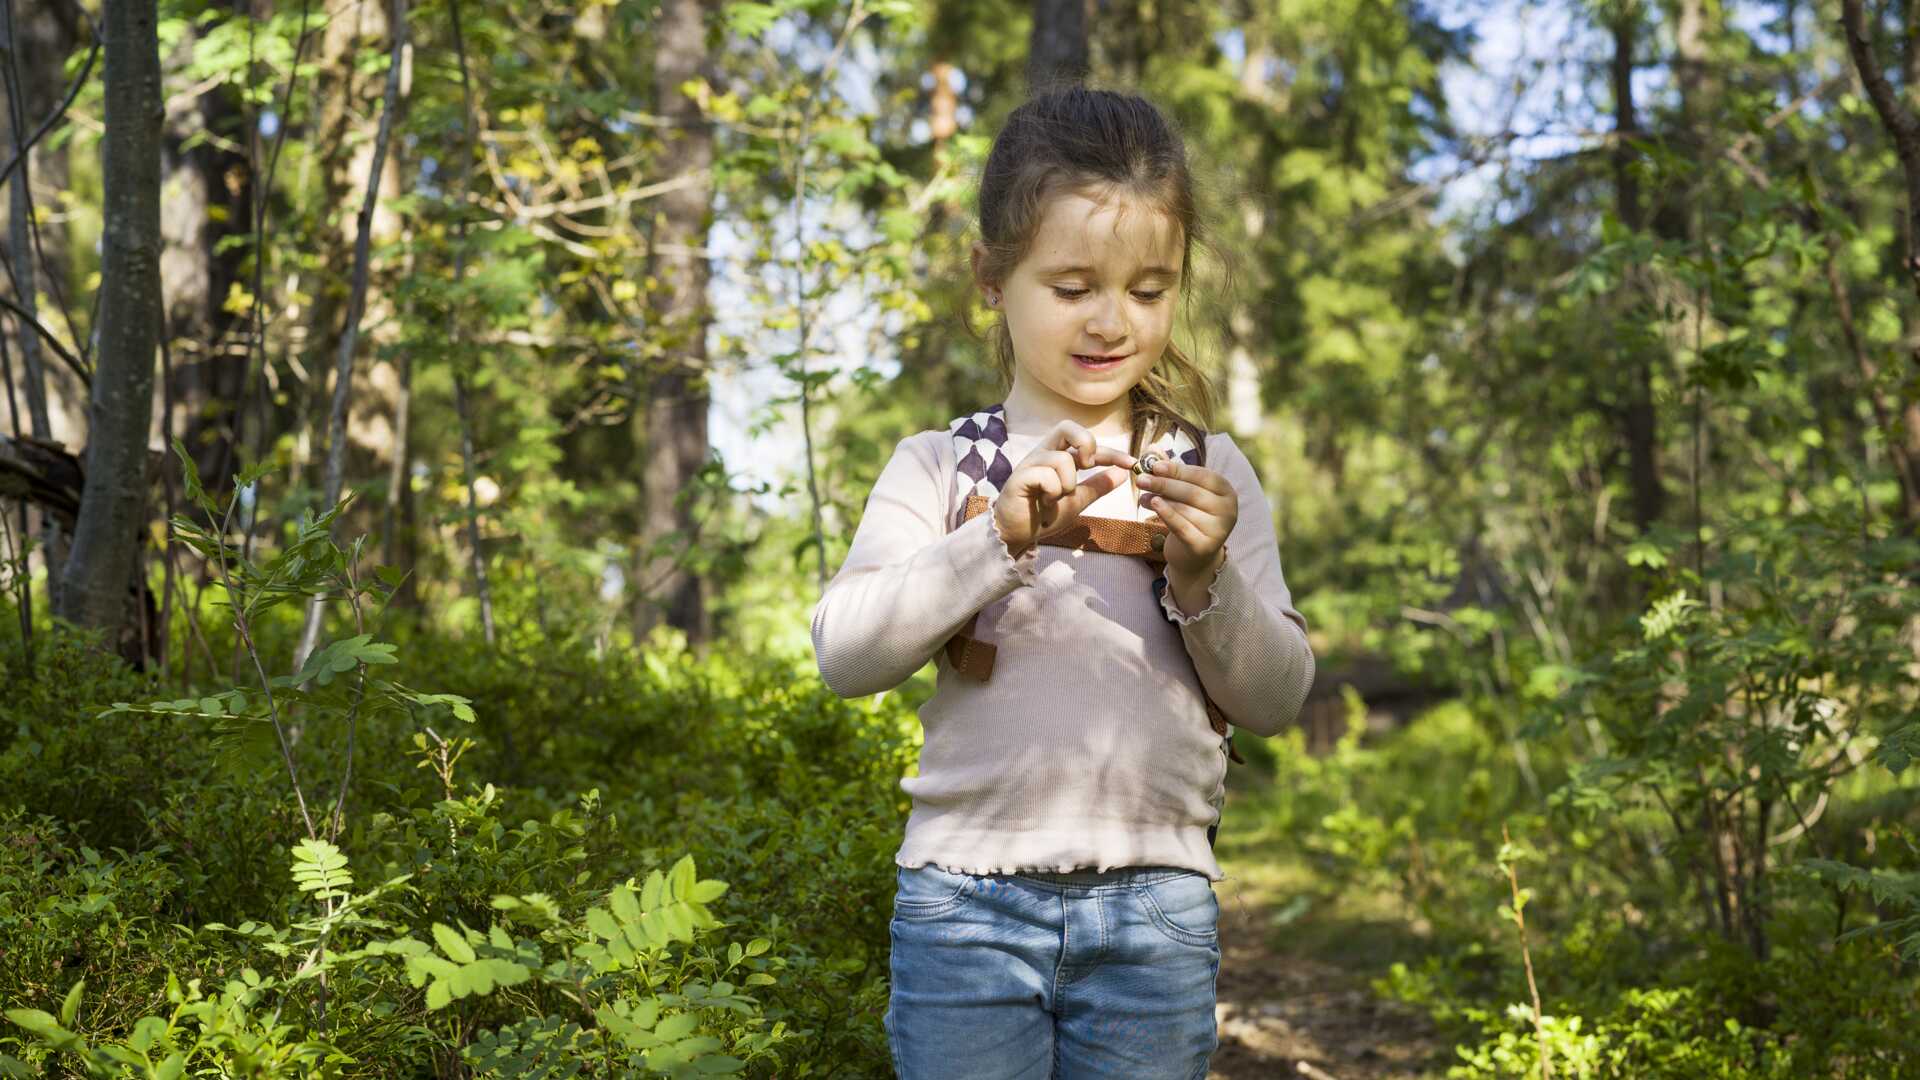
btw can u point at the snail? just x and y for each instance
(1144, 465)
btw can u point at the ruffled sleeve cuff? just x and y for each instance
(1214, 589)
(981, 553)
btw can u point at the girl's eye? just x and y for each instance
(1075, 294)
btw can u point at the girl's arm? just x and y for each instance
(1249, 644)
(908, 584)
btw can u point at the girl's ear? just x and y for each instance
(978, 253)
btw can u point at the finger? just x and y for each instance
(1067, 435)
(1065, 467)
(1044, 483)
(1107, 455)
(1180, 520)
(1060, 461)
(1045, 493)
(1093, 487)
(1197, 475)
(1187, 493)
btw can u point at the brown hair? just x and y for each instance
(1073, 138)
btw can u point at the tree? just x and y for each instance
(206, 193)
(677, 398)
(1057, 50)
(94, 586)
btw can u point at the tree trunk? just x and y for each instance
(45, 33)
(676, 412)
(1640, 422)
(53, 539)
(94, 590)
(206, 198)
(1901, 125)
(1057, 48)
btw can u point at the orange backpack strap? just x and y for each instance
(968, 654)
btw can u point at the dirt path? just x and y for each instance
(1287, 1015)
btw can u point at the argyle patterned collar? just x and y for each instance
(980, 452)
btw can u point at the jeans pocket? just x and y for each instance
(928, 892)
(1182, 907)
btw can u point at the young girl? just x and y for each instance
(1054, 913)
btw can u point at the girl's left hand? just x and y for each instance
(1199, 508)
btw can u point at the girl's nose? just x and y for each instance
(1107, 321)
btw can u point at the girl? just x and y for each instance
(1054, 913)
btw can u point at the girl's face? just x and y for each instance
(1090, 307)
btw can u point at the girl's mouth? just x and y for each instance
(1097, 363)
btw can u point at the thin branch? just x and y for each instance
(54, 118)
(855, 17)
(1898, 122)
(356, 303)
(256, 327)
(46, 335)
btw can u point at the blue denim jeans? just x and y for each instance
(1040, 976)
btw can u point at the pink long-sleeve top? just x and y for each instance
(1088, 746)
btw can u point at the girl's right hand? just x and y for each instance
(1043, 495)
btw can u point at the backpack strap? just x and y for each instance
(979, 447)
(981, 468)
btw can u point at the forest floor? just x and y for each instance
(1293, 997)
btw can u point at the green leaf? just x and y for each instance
(1899, 748)
(602, 923)
(433, 966)
(195, 492)
(749, 20)
(40, 1023)
(1646, 554)
(653, 922)
(1669, 613)
(70, 1008)
(678, 1026)
(682, 877)
(452, 943)
(147, 1031)
(679, 921)
(625, 907)
(321, 869)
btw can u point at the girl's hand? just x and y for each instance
(1044, 495)
(1199, 508)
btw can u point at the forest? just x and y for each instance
(430, 425)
